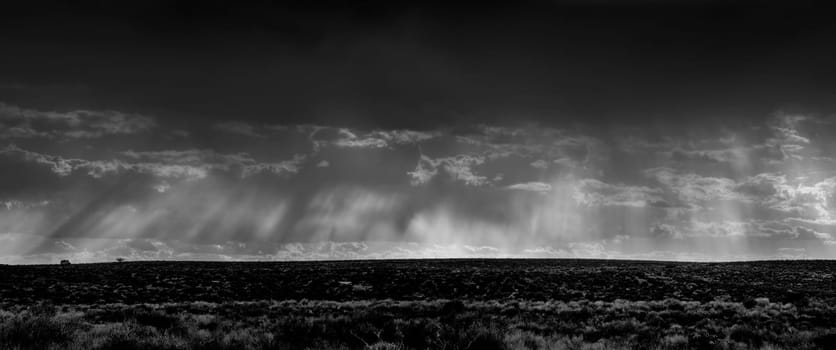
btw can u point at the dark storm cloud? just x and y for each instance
(28, 123)
(421, 64)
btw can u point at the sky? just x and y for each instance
(219, 130)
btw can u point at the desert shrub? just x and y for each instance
(295, 329)
(384, 346)
(299, 331)
(566, 343)
(28, 331)
(676, 341)
(248, 339)
(158, 320)
(122, 341)
(114, 313)
(205, 321)
(702, 339)
(524, 340)
(745, 334)
(620, 327)
(128, 336)
(485, 338)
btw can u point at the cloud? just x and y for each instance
(538, 187)
(18, 205)
(815, 199)
(18, 122)
(57, 165)
(665, 231)
(283, 167)
(781, 138)
(406, 136)
(381, 138)
(785, 129)
(177, 164)
(189, 157)
(806, 199)
(162, 187)
(424, 171)
(761, 186)
(349, 139)
(539, 164)
(724, 155)
(323, 136)
(694, 188)
(532, 142)
(800, 197)
(458, 167)
(99, 168)
(593, 192)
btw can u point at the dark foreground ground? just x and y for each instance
(439, 304)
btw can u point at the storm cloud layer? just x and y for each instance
(697, 131)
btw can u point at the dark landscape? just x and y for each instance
(417, 304)
(399, 175)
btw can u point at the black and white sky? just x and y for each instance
(286, 130)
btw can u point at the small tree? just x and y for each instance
(120, 259)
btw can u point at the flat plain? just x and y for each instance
(418, 304)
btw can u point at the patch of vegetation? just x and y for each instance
(498, 279)
(417, 325)
(444, 304)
